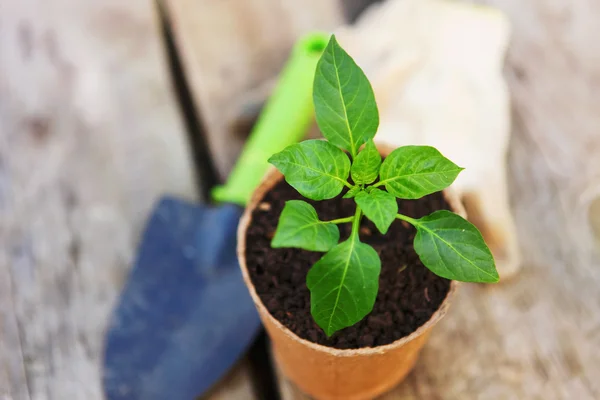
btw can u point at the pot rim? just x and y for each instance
(272, 177)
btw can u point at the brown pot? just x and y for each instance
(328, 373)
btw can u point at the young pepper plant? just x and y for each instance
(345, 281)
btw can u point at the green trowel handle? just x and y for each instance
(284, 120)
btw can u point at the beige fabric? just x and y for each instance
(436, 69)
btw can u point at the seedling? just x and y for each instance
(345, 281)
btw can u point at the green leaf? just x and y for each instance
(299, 226)
(315, 168)
(411, 172)
(343, 285)
(453, 248)
(352, 192)
(379, 206)
(365, 166)
(345, 106)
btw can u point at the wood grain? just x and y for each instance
(538, 336)
(231, 49)
(89, 138)
(237, 385)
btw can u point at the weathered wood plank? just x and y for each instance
(89, 138)
(232, 47)
(237, 385)
(13, 382)
(537, 336)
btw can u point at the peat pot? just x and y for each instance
(320, 370)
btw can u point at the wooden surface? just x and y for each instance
(89, 138)
(538, 336)
(231, 51)
(237, 385)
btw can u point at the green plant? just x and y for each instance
(345, 281)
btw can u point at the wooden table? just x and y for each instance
(91, 133)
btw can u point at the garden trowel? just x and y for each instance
(185, 317)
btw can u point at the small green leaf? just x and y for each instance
(315, 168)
(379, 206)
(343, 285)
(411, 172)
(453, 248)
(345, 106)
(299, 226)
(365, 167)
(352, 192)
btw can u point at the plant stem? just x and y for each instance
(340, 220)
(356, 222)
(410, 220)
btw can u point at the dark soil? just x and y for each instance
(408, 292)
